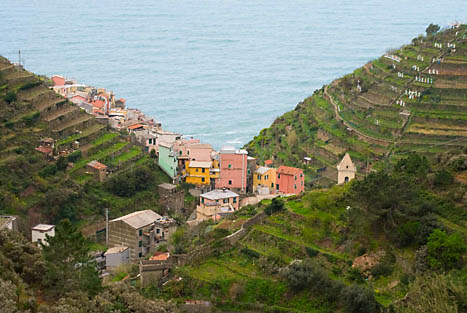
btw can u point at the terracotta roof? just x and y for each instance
(268, 162)
(160, 256)
(135, 126)
(97, 165)
(45, 150)
(123, 100)
(287, 170)
(98, 104)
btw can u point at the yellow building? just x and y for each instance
(201, 173)
(264, 180)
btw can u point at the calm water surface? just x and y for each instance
(217, 70)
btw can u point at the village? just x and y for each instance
(222, 181)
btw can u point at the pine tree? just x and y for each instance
(69, 267)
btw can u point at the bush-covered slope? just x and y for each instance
(371, 114)
(369, 246)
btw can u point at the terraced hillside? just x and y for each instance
(30, 185)
(411, 99)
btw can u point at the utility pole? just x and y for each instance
(107, 226)
(19, 57)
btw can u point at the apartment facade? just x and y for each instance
(233, 165)
(290, 180)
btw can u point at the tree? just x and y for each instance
(68, 265)
(276, 205)
(444, 251)
(432, 29)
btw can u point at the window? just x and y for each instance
(235, 200)
(249, 172)
(230, 165)
(266, 177)
(188, 152)
(295, 186)
(202, 200)
(295, 177)
(140, 255)
(180, 152)
(230, 182)
(203, 170)
(259, 177)
(158, 230)
(225, 200)
(202, 179)
(302, 183)
(277, 186)
(196, 170)
(140, 232)
(39, 240)
(278, 175)
(301, 174)
(272, 185)
(140, 244)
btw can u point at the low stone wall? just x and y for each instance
(220, 246)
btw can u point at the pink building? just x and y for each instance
(191, 150)
(290, 180)
(233, 169)
(58, 80)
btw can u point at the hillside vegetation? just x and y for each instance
(373, 245)
(39, 190)
(369, 114)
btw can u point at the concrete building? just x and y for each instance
(146, 139)
(345, 170)
(98, 169)
(140, 231)
(8, 222)
(39, 232)
(233, 166)
(216, 203)
(116, 256)
(264, 180)
(290, 180)
(251, 168)
(171, 198)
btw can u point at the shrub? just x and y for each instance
(444, 251)
(75, 156)
(29, 85)
(311, 252)
(443, 178)
(10, 97)
(276, 205)
(249, 252)
(358, 299)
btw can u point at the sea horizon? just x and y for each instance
(219, 72)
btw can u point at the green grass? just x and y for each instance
(122, 158)
(99, 155)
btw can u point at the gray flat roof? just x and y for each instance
(43, 227)
(219, 194)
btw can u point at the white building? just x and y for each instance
(8, 222)
(39, 232)
(116, 256)
(345, 170)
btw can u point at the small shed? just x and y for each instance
(116, 256)
(39, 232)
(98, 169)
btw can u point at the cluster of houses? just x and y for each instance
(103, 104)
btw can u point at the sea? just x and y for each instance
(217, 70)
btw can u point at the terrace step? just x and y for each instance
(49, 104)
(74, 123)
(61, 113)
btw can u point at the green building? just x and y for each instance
(168, 160)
